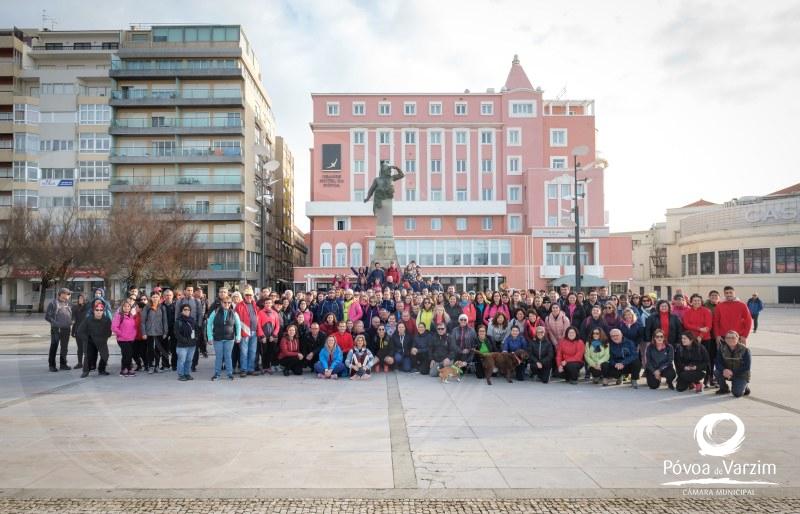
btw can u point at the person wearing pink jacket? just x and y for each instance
(125, 327)
(556, 324)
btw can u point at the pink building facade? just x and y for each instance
(488, 193)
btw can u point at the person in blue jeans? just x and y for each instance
(223, 330)
(331, 360)
(248, 315)
(185, 342)
(733, 364)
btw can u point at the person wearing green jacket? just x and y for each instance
(596, 354)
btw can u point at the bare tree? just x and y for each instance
(12, 235)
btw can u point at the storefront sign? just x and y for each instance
(79, 273)
(777, 212)
(54, 182)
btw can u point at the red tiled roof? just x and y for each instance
(787, 190)
(699, 203)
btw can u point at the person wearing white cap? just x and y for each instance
(464, 338)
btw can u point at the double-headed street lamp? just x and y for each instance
(263, 195)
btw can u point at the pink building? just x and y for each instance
(487, 196)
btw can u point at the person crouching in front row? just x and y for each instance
(360, 360)
(733, 364)
(331, 360)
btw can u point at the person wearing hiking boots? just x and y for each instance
(623, 359)
(59, 315)
(733, 364)
(94, 332)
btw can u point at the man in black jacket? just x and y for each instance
(311, 344)
(169, 338)
(442, 350)
(94, 334)
(541, 355)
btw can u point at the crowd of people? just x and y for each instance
(397, 321)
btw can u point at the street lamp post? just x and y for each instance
(580, 150)
(263, 184)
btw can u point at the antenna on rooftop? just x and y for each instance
(48, 19)
(562, 92)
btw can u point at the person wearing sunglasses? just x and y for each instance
(94, 332)
(223, 330)
(442, 351)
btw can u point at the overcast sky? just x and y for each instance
(693, 99)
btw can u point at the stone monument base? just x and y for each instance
(385, 251)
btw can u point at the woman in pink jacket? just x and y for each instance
(494, 307)
(556, 324)
(124, 327)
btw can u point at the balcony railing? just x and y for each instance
(230, 208)
(176, 65)
(6, 116)
(77, 47)
(201, 180)
(172, 94)
(177, 151)
(204, 237)
(211, 122)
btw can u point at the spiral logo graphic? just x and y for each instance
(705, 428)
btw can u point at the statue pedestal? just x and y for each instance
(385, 251)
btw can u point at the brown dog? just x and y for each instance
(449, 372)
(506, 363)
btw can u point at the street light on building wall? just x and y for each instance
(262, 184)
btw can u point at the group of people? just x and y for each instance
(685, 344)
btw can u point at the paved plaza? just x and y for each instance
(397, 437)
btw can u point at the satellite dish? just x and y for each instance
(272, 166)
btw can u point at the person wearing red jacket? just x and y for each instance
(732, 314)
(699, 321)
(468, 308)
(393, 272)
(269, 325)
(290, 356)
(569, 355)
(343, 338)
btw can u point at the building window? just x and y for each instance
(358, 195)
(26, 198)
(411, 223)
(581, 189)
(411, 166)
(552, 221)
(57, 88)
(94, 114)
(56, 145)
(566, 191)
(359, 109)
(707, 263)
(436, 223)
(514, 223)
(487, 194)
(563, 254)
(787, 259)
(436, 165)
(411, 138)
(26, 114)
(691, 264)
(461, 195)
(358, 137)
(26, 171)
(522, 109)
(411, 194)
(341, 224)
(58, 174)
(96, 143)
(756, 260)
(436, 195)
(514, 194)
(487, 108)
(410, 108)
(333, 108)
(558, 137)
(95, 199)
(355, 255)
(461, 224)
(487, 137)
(358, 166)
(461, 165)
(461, 137)
(25, 142)
(384, 137)
(514, 166)
(552, 191)
(558, 163)
(461, 108)
(325, 255)
(435, 137)
(729, 262)
(435, 108)
(486, 223)
(341, 255)
(486, 165)
(683, 265)
(514, 137)
(384, 108)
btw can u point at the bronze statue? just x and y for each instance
(382, 186)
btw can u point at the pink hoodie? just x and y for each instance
(124, 326)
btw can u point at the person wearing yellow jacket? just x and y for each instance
(596, 354)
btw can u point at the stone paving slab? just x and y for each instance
(438, 506)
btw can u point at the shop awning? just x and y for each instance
(586, 281)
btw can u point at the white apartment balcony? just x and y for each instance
(549, 271)
(586, 269)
